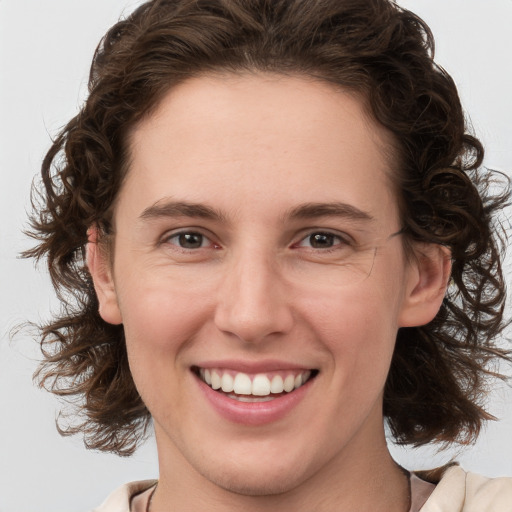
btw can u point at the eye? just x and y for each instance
(322, 240)
(189, 240)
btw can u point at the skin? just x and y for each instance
(255, 148)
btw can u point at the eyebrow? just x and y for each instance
(168, 208)
(336, 209)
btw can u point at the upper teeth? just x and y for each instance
(258, 385)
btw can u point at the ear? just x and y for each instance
(100, 269)
(429, 273)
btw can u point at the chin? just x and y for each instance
(255, 474)
(254, 484)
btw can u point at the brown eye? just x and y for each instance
(325, 242)
(188, 240)
(322, 240)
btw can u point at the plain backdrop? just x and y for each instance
(45, 51)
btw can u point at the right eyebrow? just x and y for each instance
(169, 208)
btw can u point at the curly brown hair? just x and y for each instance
(437, 382)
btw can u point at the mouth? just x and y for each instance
(259, 387)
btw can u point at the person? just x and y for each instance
(271, 233)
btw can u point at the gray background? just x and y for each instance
(45, 51)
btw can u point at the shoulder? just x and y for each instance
(119, 500)
(460, 491)
(493, 493)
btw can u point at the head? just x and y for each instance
(378, 60)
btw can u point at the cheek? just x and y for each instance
(367, 313)
(159, 321)
(359, 328)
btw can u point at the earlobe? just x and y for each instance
(428, 280)
(101, 272)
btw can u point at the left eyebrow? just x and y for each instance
(336, 209)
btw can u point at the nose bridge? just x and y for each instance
(253, 301)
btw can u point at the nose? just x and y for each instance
(253, 301)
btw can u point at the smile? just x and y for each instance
(254, 387)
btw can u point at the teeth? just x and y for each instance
(259, 385)
(216, 381)
(227, 383)
(242, 384)
(277, 385)
(243, 398)
(289, 383)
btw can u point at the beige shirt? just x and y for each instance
(457, 491)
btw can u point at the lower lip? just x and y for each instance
(253, 413)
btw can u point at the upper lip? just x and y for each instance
(268, 365)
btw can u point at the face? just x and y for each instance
(254, 251)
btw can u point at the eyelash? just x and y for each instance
(341, 241)
(176, 236)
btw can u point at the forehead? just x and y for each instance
(260, 139)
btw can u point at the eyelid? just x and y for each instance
(344, 237)
(168, 235)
